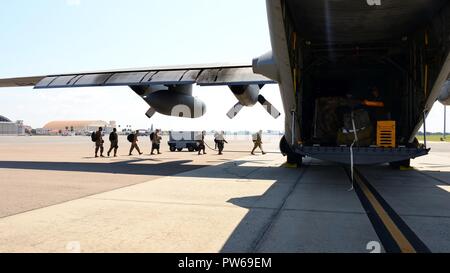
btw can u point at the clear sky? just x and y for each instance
(57, 36)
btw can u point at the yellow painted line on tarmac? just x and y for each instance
(290, 166)
(396, 233)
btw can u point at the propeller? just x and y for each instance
(150, 113)
(269, 107)
(234, 111)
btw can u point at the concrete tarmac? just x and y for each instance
(420, 196)
(42, 171)
(57, 198)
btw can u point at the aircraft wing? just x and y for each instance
(203, 75)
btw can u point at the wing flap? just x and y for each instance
(232, 76)
(60, 81)
(45, 82)
(127, 78)
(191, 76)
(174, 77)
(92, 80)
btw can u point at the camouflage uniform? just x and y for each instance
(156, 142)
(134, 145)
(258, 144)
(99, 143)
(202, 145)
(114, 138)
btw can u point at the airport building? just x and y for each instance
(8, 128)
(78, 126)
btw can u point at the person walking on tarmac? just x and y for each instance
(216, 135)
(221, 142)
(156, 142)
(99, 142)
(134, 145)
(258, 143)
(202, 144)
(114, 139)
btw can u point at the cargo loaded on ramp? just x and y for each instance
(365, 75)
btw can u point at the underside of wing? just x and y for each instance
(201, 75)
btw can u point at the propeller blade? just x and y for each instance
(269, 107)
(150, 113)
(235, 110)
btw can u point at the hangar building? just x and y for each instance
(7, 127)
(79, 126)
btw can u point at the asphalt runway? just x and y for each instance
(57, 198)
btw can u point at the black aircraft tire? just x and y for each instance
(398, 164)
(414, 144)
(172, 148)
(180, 149)
(285, 149)
(293, 158)
(191, 149)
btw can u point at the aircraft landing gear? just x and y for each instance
(400, 164)
(407, 162)
(295, 159)
(292, 158)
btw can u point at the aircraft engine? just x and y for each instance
(444, 98)
(248, 95)
(176, 101)
(266, 65)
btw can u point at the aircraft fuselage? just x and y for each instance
(345, 49)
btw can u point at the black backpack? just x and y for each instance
(152, 136)
(130, 137)
(94, 137)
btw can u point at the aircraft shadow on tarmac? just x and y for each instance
(138, 167)
(122, 167)
(255, 234)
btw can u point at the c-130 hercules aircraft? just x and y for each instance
(328, 57)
